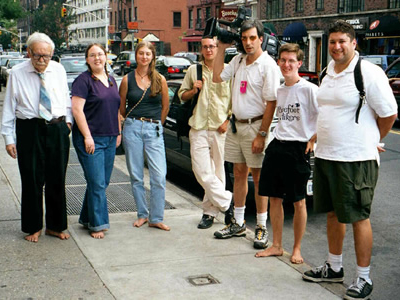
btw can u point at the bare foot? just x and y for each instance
(139, 222)
(160, 226)
(97, 234)
(60, 235)
(271, 251)
(296, 257)
(34, 237)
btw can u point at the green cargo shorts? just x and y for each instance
(347, 188)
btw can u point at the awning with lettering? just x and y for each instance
(193, 38)
(294, 32)
(383, 28)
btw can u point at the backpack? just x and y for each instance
(358, 79)
(185, 110)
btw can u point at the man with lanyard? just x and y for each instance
(37, 101)
(255, 77)
(347, 155)
(209, 124)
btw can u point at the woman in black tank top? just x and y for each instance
(145, 105)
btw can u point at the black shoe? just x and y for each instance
(324, 274)
(206, 222)
(231, 230)
(229, 214)
(360, 289)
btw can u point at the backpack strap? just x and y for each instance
(358, 79)
(322, 75)
(199, 75)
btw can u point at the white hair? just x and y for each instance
(38, 37)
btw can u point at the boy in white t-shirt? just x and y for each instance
(286, 166)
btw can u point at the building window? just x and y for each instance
(124, 15)
(115, 18)
(198, 23)
(275, 9)
(136, 15)
(191, 19)
(130, 15)
(208, 13)
(351, 6)
(177, 19)
(110, 17)
(319, 4)
(299, 5)
(394, 3)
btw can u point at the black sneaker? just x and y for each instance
(206, 222)
(231, 230)
(359, 289)
(229, 214)
(324, 274)
(260, 237)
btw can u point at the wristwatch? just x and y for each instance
(263, 133)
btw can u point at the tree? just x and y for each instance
(10, 10)
(49, 21)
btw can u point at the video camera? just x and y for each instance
(270, 42)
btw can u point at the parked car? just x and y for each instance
(172, 67)
(8, 66)
(124, 63)
(110, 57)
(311, 76)
(178, 150)
(3, 61)
(194, 57)
(381, 60)
(393, 73)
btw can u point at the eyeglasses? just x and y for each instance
(39, 56)
(290, 61)
(94, 55)
(251, 38)
(211, 47)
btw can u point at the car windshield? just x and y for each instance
(176, 61)
(14, 62)
(74, 64)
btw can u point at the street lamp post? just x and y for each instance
(105, 21)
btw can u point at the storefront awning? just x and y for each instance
(383, 28)
(128, 38)
(193, 38)
(294, 32)
(269, 28)
(151, 38)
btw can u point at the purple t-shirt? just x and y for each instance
(101, 106)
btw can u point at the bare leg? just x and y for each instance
(261, 201)
(160, 226)
(240, 188)
(299, 227)
(276, 217)
(60, 235)
(362, 232)
(34, 237)
(139, 222)
(335, 232)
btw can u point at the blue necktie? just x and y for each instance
(44, 100)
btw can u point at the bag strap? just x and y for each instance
(145, 90)
(358, 79)
(199, 76)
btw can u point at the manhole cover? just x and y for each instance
(200, 280)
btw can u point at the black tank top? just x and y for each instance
(150, 107)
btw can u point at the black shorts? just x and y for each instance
(285, 171)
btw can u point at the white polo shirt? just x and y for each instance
(339, 137)
(262, 81)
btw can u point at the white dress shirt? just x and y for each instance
(23, 92)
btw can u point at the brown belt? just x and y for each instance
(55, 120)
(249, 121)
(143, 119)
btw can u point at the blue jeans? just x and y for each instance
(97, 168)
(145, 139)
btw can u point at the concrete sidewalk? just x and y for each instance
(140, 263)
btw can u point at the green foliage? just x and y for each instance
(49, 21)
(10, 10)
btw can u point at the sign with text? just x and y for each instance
(228, 14)
(133, 25)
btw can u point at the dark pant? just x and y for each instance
(43, 151)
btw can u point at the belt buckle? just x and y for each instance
(47, 122)
(142, 119)
(249, 121)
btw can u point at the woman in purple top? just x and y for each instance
(95, 135)
(143, 133)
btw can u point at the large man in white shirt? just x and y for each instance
(39, 139)
(255, 80)
(347, 155)
(207, 135)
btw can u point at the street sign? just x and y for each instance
(133, 25)
(133, 30)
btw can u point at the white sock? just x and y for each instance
(239, 215)
(363, 272)
(262, 219)
(335, 261)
